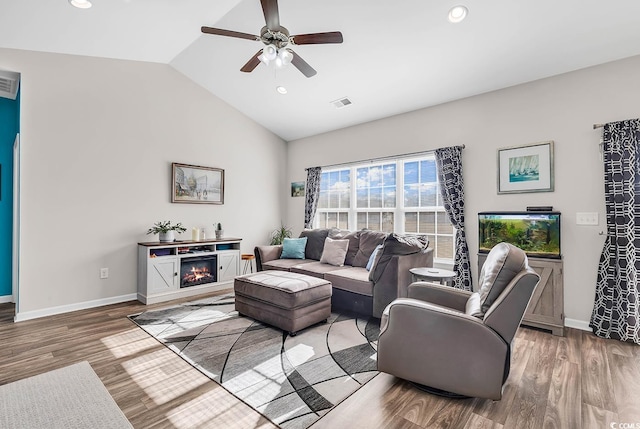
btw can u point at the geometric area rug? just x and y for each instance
(293, 381)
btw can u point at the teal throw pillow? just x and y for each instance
(293, 248)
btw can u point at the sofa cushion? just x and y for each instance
(354, 242)
(315, 268)
(315, 242)
(367, 244)
(334, 252)
(394, 245)
(352, 279)
(293, 248)
(284, 264)
(503, 262)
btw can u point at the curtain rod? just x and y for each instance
(596, 126)
(362, 161)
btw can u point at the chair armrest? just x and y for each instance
(445, 296)
(266, 254)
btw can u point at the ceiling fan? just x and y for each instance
(277, 38)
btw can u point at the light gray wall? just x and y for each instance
(98, 140)
(561, 108)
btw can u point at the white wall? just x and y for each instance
(98, 140)
(561, 108)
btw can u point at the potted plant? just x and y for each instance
(278, 235)
(166, 231)
(219, 231)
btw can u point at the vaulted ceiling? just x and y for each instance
(396, 56)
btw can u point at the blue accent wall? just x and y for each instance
(9, 127)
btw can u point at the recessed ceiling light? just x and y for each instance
(457, 14)
(281, 90)
(81, 4)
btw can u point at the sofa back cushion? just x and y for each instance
(394, 245)
(503, 262)
(315, 242)
(334, 252)
(354, 242)
(367, 244)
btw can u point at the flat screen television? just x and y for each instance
(537, 233)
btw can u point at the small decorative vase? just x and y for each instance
(219, 233)
(168, 236)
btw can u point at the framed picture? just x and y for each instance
(194, 184)
(297, 189)
(526, 168)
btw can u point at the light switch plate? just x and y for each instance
(587, 218)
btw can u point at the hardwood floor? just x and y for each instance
(577, 381)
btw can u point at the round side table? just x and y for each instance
(432, 274)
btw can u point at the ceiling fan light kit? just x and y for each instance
(277, 38)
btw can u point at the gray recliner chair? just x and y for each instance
(459, 343)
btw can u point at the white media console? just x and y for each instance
(185, 268)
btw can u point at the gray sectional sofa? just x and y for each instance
(354, 287)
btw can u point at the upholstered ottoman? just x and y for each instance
(289, 301)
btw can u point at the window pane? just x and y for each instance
(428, 195)
(389, 175)
(363, 198)
(332, 220)
(427, 223)
(387, 222)
(389, 196)
(428, 171)
(363, 178)
(362, 220)
(333, 179)
(444, 226)
(410, 172)
(411, 222)
(323, 200)
(432, 241)
(343, 220)
(324, 181)
(375, 176)
(411, 196)
(445, 247)
(375, 197)
(373, 221)
(345, 199)
(333, 200)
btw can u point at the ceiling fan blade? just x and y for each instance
(252, 63)
(317, 38)
(228, 33)
(302, 65)
(271, 15)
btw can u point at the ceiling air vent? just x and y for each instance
(341, 102)
(9, 83)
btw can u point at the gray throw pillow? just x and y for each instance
(334, 252)
(315, 242)
(369, 240)
(354, 242)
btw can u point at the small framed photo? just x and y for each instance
(526, 168)
(297, 189)
(194, 184)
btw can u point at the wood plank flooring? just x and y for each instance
(577, 381)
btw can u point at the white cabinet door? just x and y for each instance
(163, 275)
(228, 263)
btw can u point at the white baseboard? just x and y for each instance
(577, 324)
(6, 298)
(28, 315)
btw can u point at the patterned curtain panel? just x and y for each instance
(616, 312)
(311, 195)
(449, 163)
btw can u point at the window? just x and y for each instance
(400, 196)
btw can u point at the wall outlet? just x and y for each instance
(104, 273)
(585, 218)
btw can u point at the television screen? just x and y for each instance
(537, 233)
